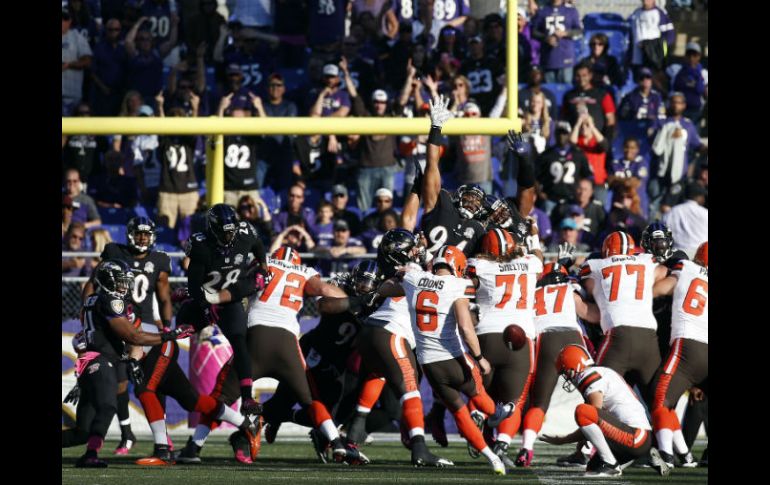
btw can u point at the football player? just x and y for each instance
(328, 349)
(621, 284)
(106, 328)
(275, 351)
(687, 362)
(557, 305)
(151, 270)
(228, 252)
(505, 279)
(439, 307)
(658, 240)
(612, 418)
(387, 341)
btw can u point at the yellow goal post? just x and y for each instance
(218, 127)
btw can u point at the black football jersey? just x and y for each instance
(146, 271)
(662, 306)
(444, 225)
(177, 155)
(98, 310)
(215, 268)
(240, 163)
(332, 339)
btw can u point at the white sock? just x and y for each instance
(679, 444)
(416, 432)
(125, 422)
(528, 439)
(228, 414)
(489, 454)
(201, 433)
(363, 409)
(159, 432)
(594, 434)
(504, 438)
(329, 430)
(587, 449)
(665, 437)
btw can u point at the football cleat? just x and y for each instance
(704, 459)
(405, 439)
(687, 460)
(241, 447)
(271, 431)
(90, 461)
(659, 463)
(575, 460)
(502, 411)
(161, 456)
(124, 446)
(478, 420)
(524, 458)
(421, 456)
(497, 465)
(604, 469)
(190, 454)
(321, 444)
(669, 459)
(350, 454)
(500, 449)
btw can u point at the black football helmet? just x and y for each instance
(658, 240)
(396, 247)
(469, 200)
(553, 274)
(222, 224)
(114, 277)
(137, 225)
(365, 277)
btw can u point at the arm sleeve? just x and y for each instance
(666, 29)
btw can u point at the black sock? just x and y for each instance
(123, 414)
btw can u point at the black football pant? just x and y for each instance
(98, 402)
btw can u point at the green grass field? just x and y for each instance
(289, 462)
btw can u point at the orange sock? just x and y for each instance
(510, 425)
(534, 419)
(370, 393)
(483, 402)
(318, 413)
(468, 428)
(412, 413)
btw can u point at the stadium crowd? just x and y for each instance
(621, 146)
(459, 291)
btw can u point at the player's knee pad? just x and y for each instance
(585, 415)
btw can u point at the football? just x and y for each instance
(514, 337)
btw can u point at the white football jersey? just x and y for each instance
(623, 290)
(690, 310)
(431, 299)
(506, 293)
(393, 316)
(555, 308)
(281, 300)
(619, 399)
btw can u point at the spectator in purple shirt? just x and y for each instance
(342, 245)
(556, 26)
(387, 221)
(114, 189)
(525, 31)
(108, 70)
(332, 100)
(294, 213)
(632, 164)
(145, 62)
(254, 56)
(644, 102)
(690, 79)
(676, 138)
(324, 224)
(327, 24)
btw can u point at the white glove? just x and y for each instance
(439, 113)
(567, 251)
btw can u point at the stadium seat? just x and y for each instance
(398, 184)
(558, 90)
(117, 232)
(604, 20)
(166, 235)
(111, 215)
(141, 211)
(292, 78)
(268, 195)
